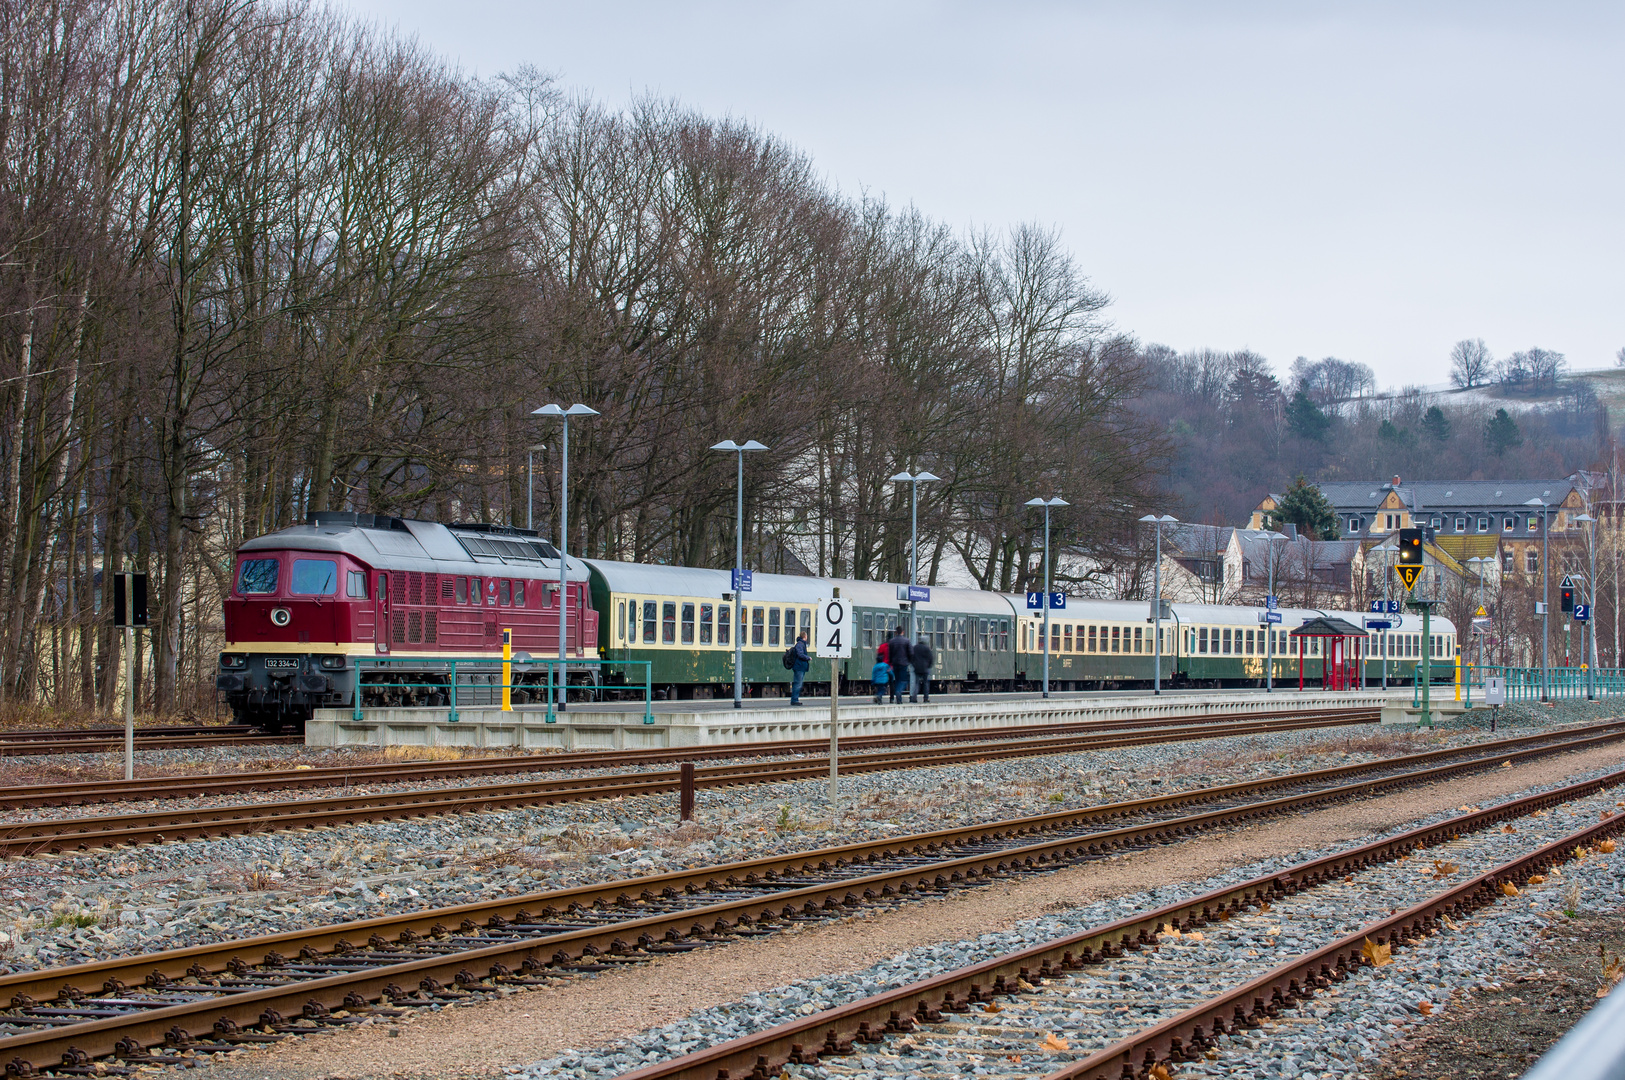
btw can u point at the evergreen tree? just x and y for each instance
(1436, 424)
(1304, 506)
(1501, 433)
(1305, 420)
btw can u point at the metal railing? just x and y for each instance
(467, 682)
(1524, 683)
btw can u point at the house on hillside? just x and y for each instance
(1455, 511)
(1193, 561)
(1307, 573)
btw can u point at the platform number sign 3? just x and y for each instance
(834, 630)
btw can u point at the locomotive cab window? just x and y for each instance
(256, 577)
(314, 577)
(356, 584)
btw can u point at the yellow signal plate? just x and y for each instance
(1409, 574)
(1481, 613)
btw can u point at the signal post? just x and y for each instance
(1409, 568)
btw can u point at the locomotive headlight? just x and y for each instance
(281, 616)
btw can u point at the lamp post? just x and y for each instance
(914, 482)
(739, 564)
(1046, 504)
(1482, 563)
(1545, 604)
(1269, 627)
(1156, 600)
(1589, 627)
(530, 485)
(564, 415)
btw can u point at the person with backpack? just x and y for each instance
(924, 658)
(898, 654)
(881, 674)
(798, 660)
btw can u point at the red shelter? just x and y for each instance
(1341, 654)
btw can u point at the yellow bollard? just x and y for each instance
(1458, 674)
(507, 671)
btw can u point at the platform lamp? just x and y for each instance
(913, 482)
(1590, 625)
(1156, 599)
(1481, 566)
(530, 485)
(564, 414)
(739, 565)
(1047, 504)
(1545, 604)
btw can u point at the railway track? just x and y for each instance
(76, 793)
(1116, 1006)
(107, 740)
(64, 834)
(247, 990)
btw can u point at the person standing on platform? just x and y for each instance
(924, 659)
(800, 661)
(899, 653)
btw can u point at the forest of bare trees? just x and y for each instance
(258, 260)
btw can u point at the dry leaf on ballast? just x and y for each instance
(1052, 1044)
(992, 1007)
(1425, 1008)
(1160, 1073)
(1506, 764)
(1442, 869)
(1537, 879)
(1377, 954)
(1509, 889)
(1606, 847)
(1508, 828)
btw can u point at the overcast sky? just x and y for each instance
(1368, 181)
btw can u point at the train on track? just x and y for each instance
(379, 606)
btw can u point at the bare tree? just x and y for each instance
(1470, 363)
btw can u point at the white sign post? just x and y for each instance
(833, 641)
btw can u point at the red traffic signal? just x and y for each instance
(1567, 594)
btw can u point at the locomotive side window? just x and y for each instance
(649, 622)
(688, 624)
(505, 591)
(519, 594)
(314, 577)
(705, 624)
(668, 623)
(256, 577)
(462, 590)
(356, 584)
(724, 624)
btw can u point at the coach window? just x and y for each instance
(649, 612)
(942, 634)
(688, 624)
(668, 623)
(1055, 637)
(356, 584)
(705, 624)
(724, 624)
(505, 590)
(1139, 639)
(772, 626)
(1067, 633)
(868, 630)
(756, 616)
(620, 621)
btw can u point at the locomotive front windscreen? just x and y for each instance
(314, 577)
(256, 576)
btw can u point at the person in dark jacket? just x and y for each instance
(924, 659)
(800, 661)
(898, 653)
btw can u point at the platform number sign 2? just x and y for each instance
(834, 637)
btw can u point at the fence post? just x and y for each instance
(453, 717)
(355, 712)
(649, 693)
(685, 800)
(552, 717)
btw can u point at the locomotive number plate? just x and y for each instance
(280, 664)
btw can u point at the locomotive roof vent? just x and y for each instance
(517, 549)
(482, 527)
(318, 518)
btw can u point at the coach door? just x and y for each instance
(380, 613)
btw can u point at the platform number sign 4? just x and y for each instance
(834, 630)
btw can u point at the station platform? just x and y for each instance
(715, 723)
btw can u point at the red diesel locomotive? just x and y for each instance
(308, 603)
